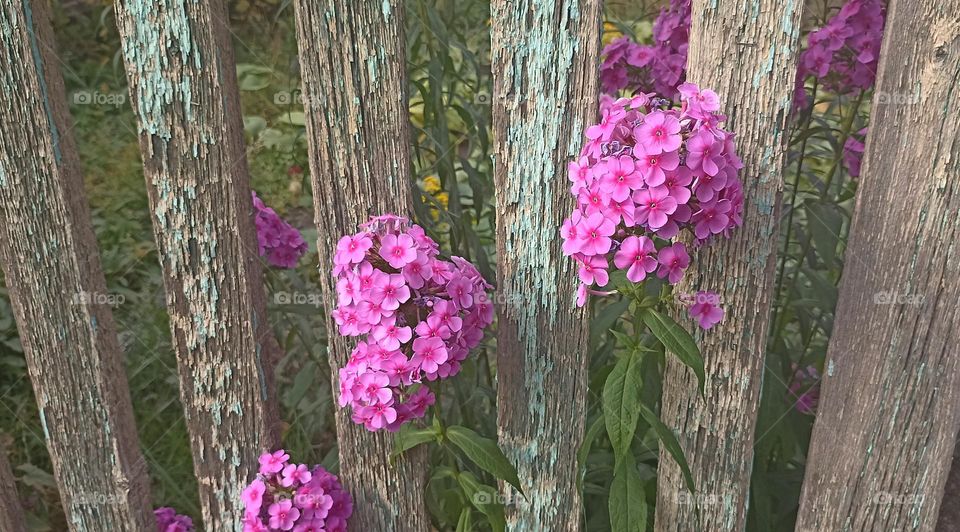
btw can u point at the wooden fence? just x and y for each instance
(891, 406)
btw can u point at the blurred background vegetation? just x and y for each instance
(450, 89)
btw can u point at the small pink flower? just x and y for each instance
(293, 474)
(594, 270)
(283, 515)
(274, 462)
(620, 178)
(673, 261)
(659, 133)
(654, 165)
(429, 353)
(637, 255)
(594, 234)
(705, 310)
(354, 248)
(252, 495)
(654, 206)
(398, 251)
(390, 290)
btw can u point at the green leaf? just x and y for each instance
(627, 502)
(621, 399)
(484, 498)
(408, 438)
(605, 319)
(295, 118)
(825, 221)
(465, 523)
(677, 340)
(485, 453)
(585, 447)
(669, 441)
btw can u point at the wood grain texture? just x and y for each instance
(747, 52)
(353, 66)
(57, 289)
(183, 88)
(545, 57)
(11, 512)
(889, 408)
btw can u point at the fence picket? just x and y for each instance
(749, 57)
(889, 409)
(353, 65)
(545, 94)
(183, 88)
(52, 267)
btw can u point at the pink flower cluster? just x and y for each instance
(288, 496)
(843, 54)
(805, 389)
(169, 521)
(419, 315)
(853, 150)
(648, 172)
(278, 241)
(660, 67)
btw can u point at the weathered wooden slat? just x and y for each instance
(545, 59)
(747, 53)
(353, 65)
(52, 267)
(889, 410)
(11, 513)
(183, 88)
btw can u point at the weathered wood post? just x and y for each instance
(889, 409)
(545, 75)
(49, 256)
(747, 53)
(183, 88)
(11, 513)
(353, 65)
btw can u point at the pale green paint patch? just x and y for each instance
(161, 50)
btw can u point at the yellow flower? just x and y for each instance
(610, 32)
(431, 184)
(443, 198)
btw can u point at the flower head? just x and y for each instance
(297, 498)
(417, 315)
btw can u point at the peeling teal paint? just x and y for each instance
(766, 68)
(157, 31)
(43, 423)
